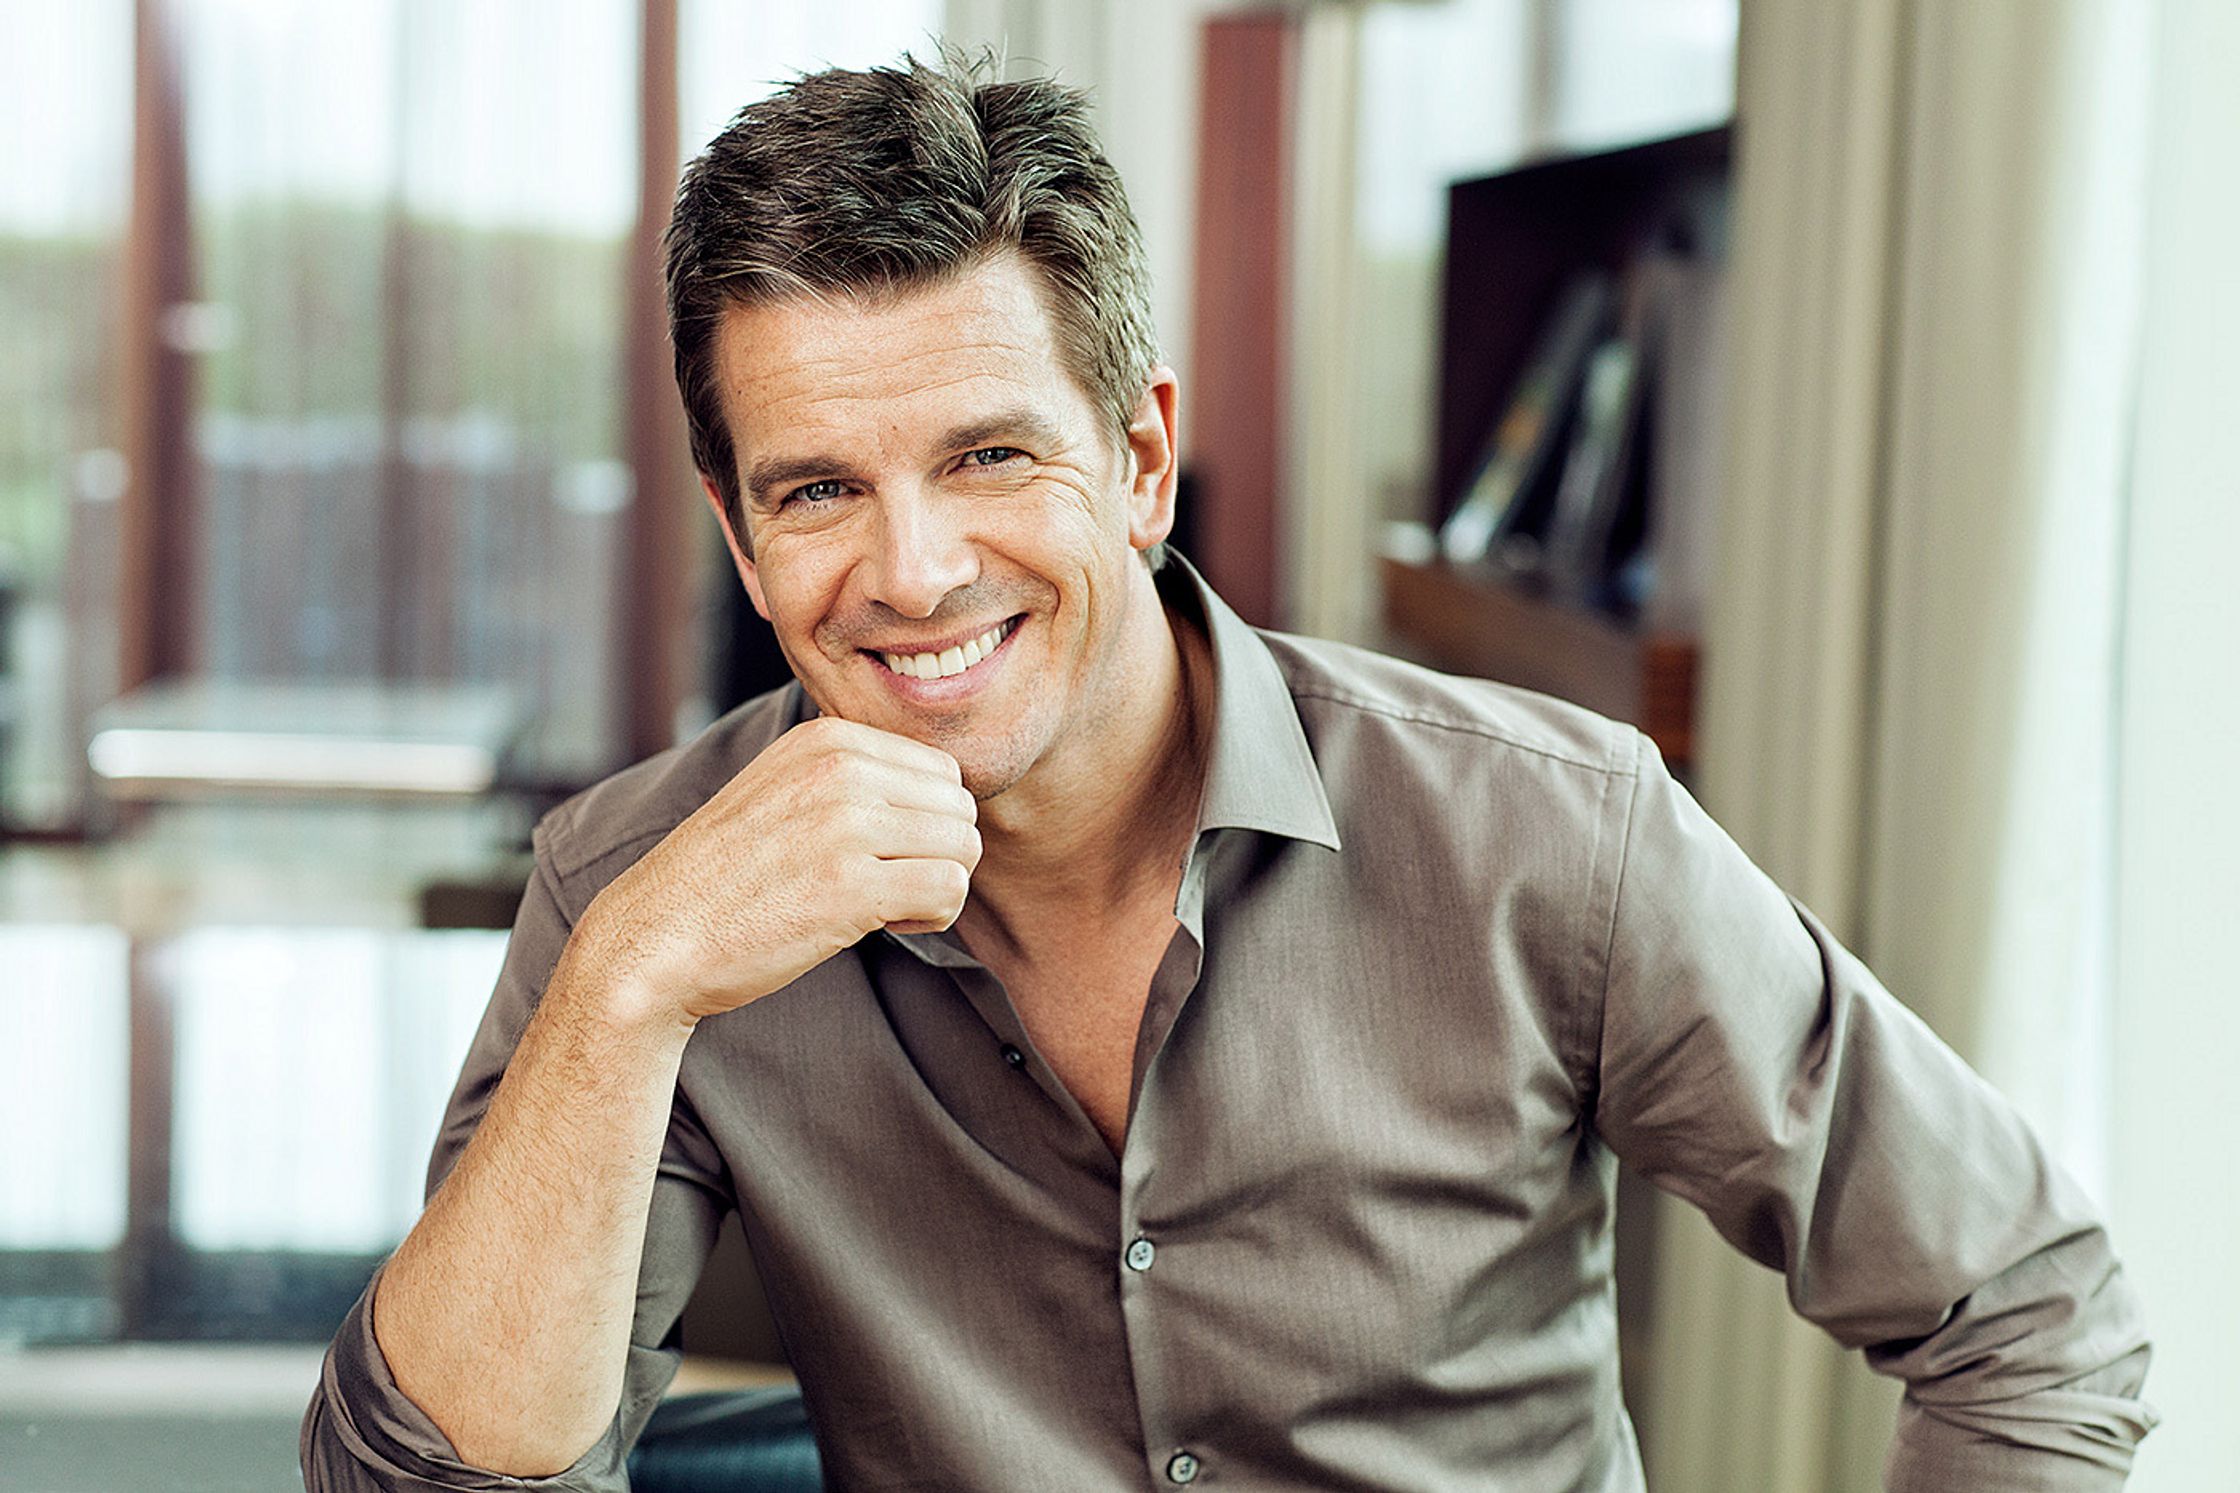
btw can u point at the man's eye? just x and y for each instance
(815, 492)
(992, 456)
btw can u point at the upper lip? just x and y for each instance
(912, 650)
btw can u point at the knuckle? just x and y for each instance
(818, 773)
(844, 821)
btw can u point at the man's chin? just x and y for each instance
(988, 765)
(985, 783)
(991, 763)
(988, 769)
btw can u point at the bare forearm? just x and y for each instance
(506, 1313)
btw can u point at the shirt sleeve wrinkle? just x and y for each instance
(1752, 1065)
(361, 1432)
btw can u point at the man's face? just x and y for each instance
(919, 470)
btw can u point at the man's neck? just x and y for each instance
(1108, 824)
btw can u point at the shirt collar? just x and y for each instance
(1262, 774)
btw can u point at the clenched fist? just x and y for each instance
(835, 830)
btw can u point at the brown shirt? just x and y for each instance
(1444, 947)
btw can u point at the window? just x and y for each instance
(65, 171)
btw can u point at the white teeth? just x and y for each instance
(951, 661)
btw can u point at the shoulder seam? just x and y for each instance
(1468, 728)
(630, 842)
(1617, 895)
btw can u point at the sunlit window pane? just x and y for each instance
(65, 176)
(63, 1054)
(312, 1069)
(411, 222)
(1635, 69)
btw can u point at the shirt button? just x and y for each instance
(1014, 1056)
(1140, 1255)
(1182, 1468)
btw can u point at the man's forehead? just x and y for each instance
(988, 318)
(910, 365)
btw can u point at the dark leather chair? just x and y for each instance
(728, 1441)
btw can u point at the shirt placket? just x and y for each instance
(1147, 1257)
(1173, 1455)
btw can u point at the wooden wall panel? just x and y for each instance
(662, 567)
(1233, 431)
(155, 394)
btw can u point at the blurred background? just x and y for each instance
(1838, 389)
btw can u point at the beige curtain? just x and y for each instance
(1329, 588)
(1909, 698)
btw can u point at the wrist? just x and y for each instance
(611, 978)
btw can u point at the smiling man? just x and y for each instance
(946, 533)
(1142, 1048)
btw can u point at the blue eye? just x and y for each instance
(993, 456)
(815, 492)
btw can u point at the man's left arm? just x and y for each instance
(1749, 1063)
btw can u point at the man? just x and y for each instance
(1143, 1049)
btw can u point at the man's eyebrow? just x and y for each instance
(1022, 424)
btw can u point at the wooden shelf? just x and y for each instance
(1467, 624)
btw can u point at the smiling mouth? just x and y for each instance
(951, 662)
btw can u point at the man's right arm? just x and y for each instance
(519, 1332)
(527, 1257)
(374, 1423)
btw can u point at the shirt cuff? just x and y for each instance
(363, 1433)
(2077, 1437)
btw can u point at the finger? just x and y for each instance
(919, 891)
(884, 746)
(915, 834)
(931, 795)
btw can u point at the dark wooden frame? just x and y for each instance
(157, 513)
(1233, 430)
(661, 568)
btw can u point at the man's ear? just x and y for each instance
(1152, 450)
(739, 560)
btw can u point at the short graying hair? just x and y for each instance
(891, 179)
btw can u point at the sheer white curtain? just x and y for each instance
(1910, 708)
(410, 226)
(730, 55)
(2173, 1177)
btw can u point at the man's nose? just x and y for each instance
(923, 552)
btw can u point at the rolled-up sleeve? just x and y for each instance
(1753, 1066)
(361, 1432)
